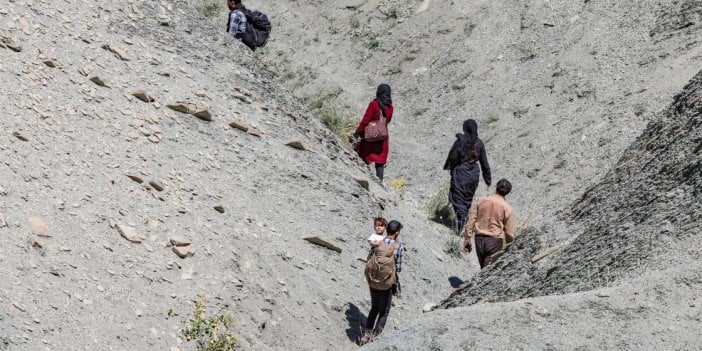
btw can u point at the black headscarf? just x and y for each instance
(383, 95)
(460, 151)
(470, 131)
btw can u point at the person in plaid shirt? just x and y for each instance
(381, 300)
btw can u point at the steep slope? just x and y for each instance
(560, 88)
(641, 240)
(644, 215)
(86, 162)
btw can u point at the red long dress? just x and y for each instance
(374, 151)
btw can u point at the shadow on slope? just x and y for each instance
(640, 217)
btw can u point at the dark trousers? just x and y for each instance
(461, 217)
(380, 170)
(485, 247)
(381, 300)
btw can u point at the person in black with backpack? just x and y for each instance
(466, 152)
(252, 27)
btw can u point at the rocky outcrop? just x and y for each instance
(641, 216)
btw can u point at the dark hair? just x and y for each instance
(503, 187)
(381, 220)
(238, 5)
(394, 227)
(383, 93)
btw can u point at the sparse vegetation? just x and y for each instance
(453, 247)
(399, 185)
(395, 70)
(420, 111)
(211, 334)
(354, 22)
(372, 41)
(325, 105)
(439, 209)
(527, 51)
(210, 8)
(492, 117)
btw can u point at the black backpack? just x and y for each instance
(258, 28)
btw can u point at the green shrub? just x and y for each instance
(492, 117)
(420, 111)
(355, 22)
(335, 121)
(211, 334)
(372, 41)
(209, 8)
(453, 247)
(325, 105)
(527, 51)
(439, 209)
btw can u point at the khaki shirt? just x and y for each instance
(493, 217)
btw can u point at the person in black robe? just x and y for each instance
(462, 161)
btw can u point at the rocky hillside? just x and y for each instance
(149, 163)
(559, 88)
(641, 241)
(153, 165)
(644, 215)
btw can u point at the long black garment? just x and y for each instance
(465, 174)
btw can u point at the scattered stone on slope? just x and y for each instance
(98, 81)
(297, 144)
(238, 125)
(200, 93)
(130, 233)
(142, 95)
(119, 52)
(179, 240)
(255, 132)
(19, 136)
(362, 181)
(85, 71)
(317, 240)
(51, 63)
(156, 185)
(39, 228)
(184, 251)
(219, 208)
(203, 113)
(6, 42)
(183, 107)
(34, 242)
(135, 178)
(242, 98)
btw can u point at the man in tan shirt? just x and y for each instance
(493, 222)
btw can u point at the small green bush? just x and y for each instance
(211, 334)
(453, 247)
(372, 41)
(439, 209)
(492, 117)
(210, 8)
(355, 22)
(420, 111)
(325, 105)
(527, 51)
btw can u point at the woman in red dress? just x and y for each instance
(376, 151)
